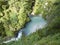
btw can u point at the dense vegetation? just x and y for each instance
(13, 16)
(11, 20)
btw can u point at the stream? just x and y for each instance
(37, 22)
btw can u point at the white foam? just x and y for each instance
(14, 39)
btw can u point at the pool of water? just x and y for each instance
(37, 22)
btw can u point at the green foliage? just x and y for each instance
(42, 7)
(13, 16)
(50, 40)
(1, 30)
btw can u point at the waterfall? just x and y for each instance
(15, 38)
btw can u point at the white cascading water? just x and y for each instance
(37, 22)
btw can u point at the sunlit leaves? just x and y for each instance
(13, 14)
